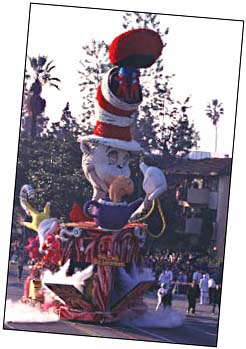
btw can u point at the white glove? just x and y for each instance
(154, 183)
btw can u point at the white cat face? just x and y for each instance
(108, 161)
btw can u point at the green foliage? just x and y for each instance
(214, 110)
(134, 20)
(33, 120)
(51, 164)
(162, 122)
(41, 71)
(182, 134)
(66, 126)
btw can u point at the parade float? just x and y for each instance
(91, 268)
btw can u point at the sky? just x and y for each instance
(203, 54)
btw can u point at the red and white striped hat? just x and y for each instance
(114, 119)
(138, 48)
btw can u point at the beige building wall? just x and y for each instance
(221, 220)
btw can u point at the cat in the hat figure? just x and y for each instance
(106, 152)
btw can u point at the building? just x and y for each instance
(201, 189)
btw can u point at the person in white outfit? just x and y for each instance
(160, 294)
(203, 285)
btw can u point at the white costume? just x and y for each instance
(160, 293)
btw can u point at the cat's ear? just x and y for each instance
(86, 147)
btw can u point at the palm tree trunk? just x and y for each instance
(33, 126)
(216, 139)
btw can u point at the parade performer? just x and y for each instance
(162, 291)
(52, 249)
(34, 274)
(33, 249)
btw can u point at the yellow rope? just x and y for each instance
(148, 213)
(161, 215)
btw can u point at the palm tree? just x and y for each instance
(214, 110)
(34, 104)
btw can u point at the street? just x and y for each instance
(194, 330)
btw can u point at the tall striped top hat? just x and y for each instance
(136, 48)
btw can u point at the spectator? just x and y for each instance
(20, 265)
(211, 289)
(183, 261)
(179, 286)
(166, 277)
(192, 296)
(217, 298)
(203, 285)
(169, 295)
(197, 276)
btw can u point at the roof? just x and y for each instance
(203, 167)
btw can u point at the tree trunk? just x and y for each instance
(33, 126)
(216, 139)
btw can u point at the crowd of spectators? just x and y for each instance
(16, 247)
(180, 267)
(184, 273)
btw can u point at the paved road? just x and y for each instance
(198, 330)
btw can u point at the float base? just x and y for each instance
(66, 313)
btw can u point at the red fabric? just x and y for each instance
(111, 131)
(78, 215)
(68, 313)
(33, 248)
(52, 248)
(106, 250)
(136, 41)
(104, 104)
(122, 87)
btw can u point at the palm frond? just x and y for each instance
(42, 60)
(54, 79)
(48, 70)
(54, 85)
(33, 62)
(49, 63)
